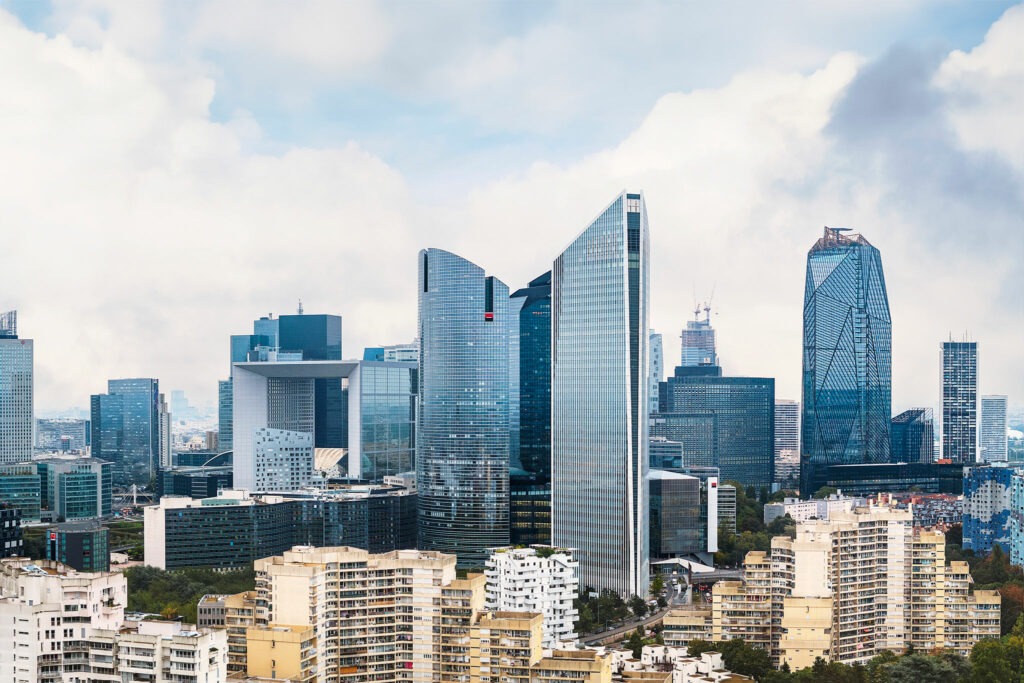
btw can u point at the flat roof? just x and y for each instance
(314, 369)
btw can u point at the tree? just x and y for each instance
(825, 492)
(657, 584)
(990, 663)
(696, 648)
(636, 642)
(638, 606)
(918, 668)
(1012, 607)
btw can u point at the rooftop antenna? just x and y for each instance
(300, 306)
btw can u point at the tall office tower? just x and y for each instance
(723, 422)
(225, 430)
(698, 341)
(599, 419)
(15, 392)
(125, 428)
(994, 446)
(847, 358)
(530, 413)
(913, 436)
(318, 337)
(960, 401)
(655, 371)
(166, 436)
(462, 428)
(787, 442)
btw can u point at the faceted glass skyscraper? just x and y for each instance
(462, 430)
(847, 358)
(599, 385)
(125, 425)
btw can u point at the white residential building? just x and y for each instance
(803, 510)
(46, 610)
(539, 579)
(284, 459)
(154, 652)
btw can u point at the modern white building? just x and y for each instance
(992, 435)
(803, 510)
(16, 392)
(539, 579)
(284, 459)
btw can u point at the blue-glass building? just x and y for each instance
(225, 431)
(912, 436)
(733, 418)
(530, 413)
(126, 429)
(318, 337)
(847, 358)
(20, 488)
(462, 431)
(988, 492)
(382, 403)
(960, 401)
(599, 404)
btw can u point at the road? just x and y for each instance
(613, 634)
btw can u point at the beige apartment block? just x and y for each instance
(580, 666)
(284, 652)
(845, 589)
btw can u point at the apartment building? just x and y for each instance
(153, 651)
(343, 614)
(846, 589)
(540, 579)
(46, 610)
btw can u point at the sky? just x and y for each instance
(173, 170)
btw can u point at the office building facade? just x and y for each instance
(19, 488)
(599, 425)
(75, 487)
(225, 440)
(62, 435)
(125, 424)
(463, 424)
(655, 371)
(787, 443)
(530, 413)
(992, 439)
(960, 401)
(12, 542)
(83, 545)
(734, 416)
(684, 517)
(234, 528)
(847, 358)
(912, 436)
(16, 392)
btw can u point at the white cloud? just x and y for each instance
(140, 233)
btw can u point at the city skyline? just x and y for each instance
(221, 198)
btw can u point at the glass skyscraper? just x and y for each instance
(913, 436)
(992, 439)
(655, 371)
(125, 426)
(530, 413)
(463, 425)
(960, 401)
(698, 342)
(599, 385)
(16, 367)
(847, 358)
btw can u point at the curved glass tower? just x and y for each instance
(847, 358)
(599, 403)
(462, 425)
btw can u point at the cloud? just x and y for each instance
(142, 231)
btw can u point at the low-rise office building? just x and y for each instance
(235, 528)
(75, 487)
(81, 545)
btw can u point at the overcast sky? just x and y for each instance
(173, 170)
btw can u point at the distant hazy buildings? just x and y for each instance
(847, 358)
(993, 436)
(530, 413)
(463, 425)
(960, 401)
(656, 371)
(599, 425)
(912, 436)
(125, 428)
(787, 442)
(698, 341)
(16, 392)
